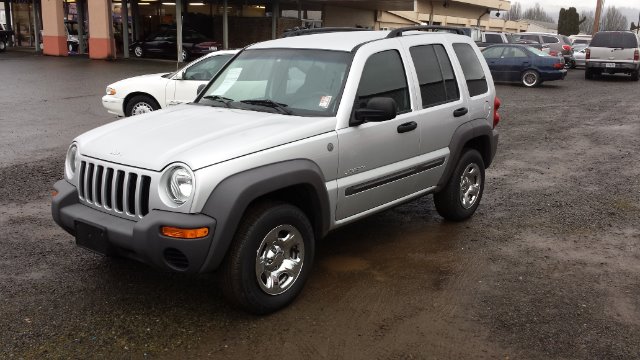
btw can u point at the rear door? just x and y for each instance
(441, 107)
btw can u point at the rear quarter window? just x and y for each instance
(550, 40)
(493, 38)
(472, 69)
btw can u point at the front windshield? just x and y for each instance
(292, 81)
(536, 51)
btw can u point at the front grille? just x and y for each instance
(113, 189)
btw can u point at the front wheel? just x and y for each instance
(140, 104)
(460, 198)
(531, 78)
(3, 45)
(270, 258)
(138, 51)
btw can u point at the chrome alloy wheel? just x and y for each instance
(141, 108)
(279, 259)
(138, 51)
(530, 79)
(470, 183)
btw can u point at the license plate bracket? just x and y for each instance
(92, 237)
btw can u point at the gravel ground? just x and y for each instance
(547, 268)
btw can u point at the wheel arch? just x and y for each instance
(299, 182)
(476, 134)
(129, 96)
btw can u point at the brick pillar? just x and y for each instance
(101, 42)
(54, 37)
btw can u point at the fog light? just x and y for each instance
(180, 233)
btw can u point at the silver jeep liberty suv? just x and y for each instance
(293, 138)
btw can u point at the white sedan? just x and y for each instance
(146, 93)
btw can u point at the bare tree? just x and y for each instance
(515, 13)
(586, 27)
(537, 13)
(614, 20)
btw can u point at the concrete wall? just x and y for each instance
(54, 37)
(342, 16)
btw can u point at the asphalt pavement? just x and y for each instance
(547, 268)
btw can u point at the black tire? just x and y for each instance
(588, 74)
(635, 76)
(448, 201)
(530, 78)
(185, 55)
(240, 282)
(3, 45)
(573, 64)
(136, 104)
(138, 51)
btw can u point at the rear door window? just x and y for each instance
(384, 76)
(493, 52)
(438, 84)
(472, 69)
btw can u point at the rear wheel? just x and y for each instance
(531, 78)
(270, 258)
(140, 104)
(460, 198)
(635, 76)
(588, 74)
(3, 45)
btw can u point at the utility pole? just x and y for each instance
(596, 21)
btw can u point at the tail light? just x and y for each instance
(496, 116)
(558, 66)
(636, 55)
(566, 47)
(587, 54)
(553, 53)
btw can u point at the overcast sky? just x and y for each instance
(579, 3)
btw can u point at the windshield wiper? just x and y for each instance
(225, 100)
(269, 103)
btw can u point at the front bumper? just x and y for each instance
(139, 240)
(113, 105)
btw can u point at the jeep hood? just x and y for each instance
(196, 135)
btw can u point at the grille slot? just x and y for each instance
(113, 189)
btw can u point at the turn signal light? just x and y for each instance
(566, 47)
(558, 66)
(180, 233)
(54, 193)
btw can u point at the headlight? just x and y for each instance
(111, 91)
(70, 163)
(179, 184)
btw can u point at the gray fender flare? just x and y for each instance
(470, 130)
(229, 200)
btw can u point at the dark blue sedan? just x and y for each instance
(524, 64)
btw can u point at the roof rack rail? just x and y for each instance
(398, 32)
(298, 32)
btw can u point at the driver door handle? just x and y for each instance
(406, 127)
(460, 112)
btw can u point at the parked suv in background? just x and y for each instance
(613, 52)
(558, 43)
(293, 138)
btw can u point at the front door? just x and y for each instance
(377, 158)
(496, 62)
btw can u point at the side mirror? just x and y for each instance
(377, 109)
(200, 88)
